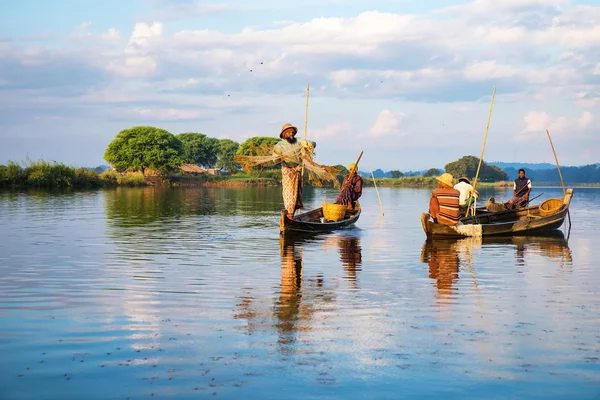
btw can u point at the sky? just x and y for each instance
(407, 82)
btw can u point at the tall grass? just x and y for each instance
(44, 174)
(127, 179)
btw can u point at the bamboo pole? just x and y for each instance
(557, 165)
(305, 124)
(487, 127)
(306, 111)
(377, 190)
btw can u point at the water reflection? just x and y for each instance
(299, 300)
(446, 257)
(139, 206)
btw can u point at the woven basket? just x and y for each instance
(334, 212)
(550, 206)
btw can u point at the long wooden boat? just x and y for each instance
(310, 221)
(510, 222)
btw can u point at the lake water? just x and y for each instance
(191, 293)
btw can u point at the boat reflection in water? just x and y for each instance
(446, 257)
(300, 300)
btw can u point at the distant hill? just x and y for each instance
(99, 169)
(525, 166)
(378, 173)
(584, 174)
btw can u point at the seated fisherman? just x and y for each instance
(351, 188)
(444, 202)
(466, 191)
(522, 188)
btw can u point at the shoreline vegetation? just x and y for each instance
(147, 155)
(52, 175)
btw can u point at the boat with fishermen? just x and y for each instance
(547, 216)
(343, 213)
(314, 221)
(516, 217)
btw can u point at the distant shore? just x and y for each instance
(42, 174)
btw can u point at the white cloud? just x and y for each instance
(585, 120)
(332, 131)
(387, 123)
(166, 114)
(485, 70)
(138, 60)
(343, 77)
(112, 35)
(536, 122)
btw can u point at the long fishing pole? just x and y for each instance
(487, 127)
(377, 190)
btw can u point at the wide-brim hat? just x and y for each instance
(286, 127)
(446, 179)
(464, 179)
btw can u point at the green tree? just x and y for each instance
(143, 147)
(227, 150)
(199, 149)
(467, 166)
(396, 174)
(342, 170)
(432, 172)
(258, 146)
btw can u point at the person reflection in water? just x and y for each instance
(351, 255)
(291, 291)
(443, 260)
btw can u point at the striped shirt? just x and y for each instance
(443, 206)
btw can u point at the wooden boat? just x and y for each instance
(510, 222)
(310, 222)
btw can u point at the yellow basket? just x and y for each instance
(334, 212)
(550, 206)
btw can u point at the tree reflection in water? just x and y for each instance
(300, 301)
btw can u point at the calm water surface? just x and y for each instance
(191, 293)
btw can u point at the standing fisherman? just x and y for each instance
(291, 167)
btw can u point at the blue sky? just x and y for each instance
(407, 82)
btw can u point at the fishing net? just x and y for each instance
(302, 155)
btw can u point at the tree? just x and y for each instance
(145, 147)
(467, 166)
(342, 170)
(258, 146)
(396, 174)
(227, 150)
(199, 149)
(432, 172)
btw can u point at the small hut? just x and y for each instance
(214, 171)
(191, 169)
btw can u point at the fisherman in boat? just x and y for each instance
(522, 188)
(291, 169)
(351, 188)
(444, 201)
(466, 191)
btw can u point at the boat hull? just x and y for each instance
(309, 222)
(512, 222)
